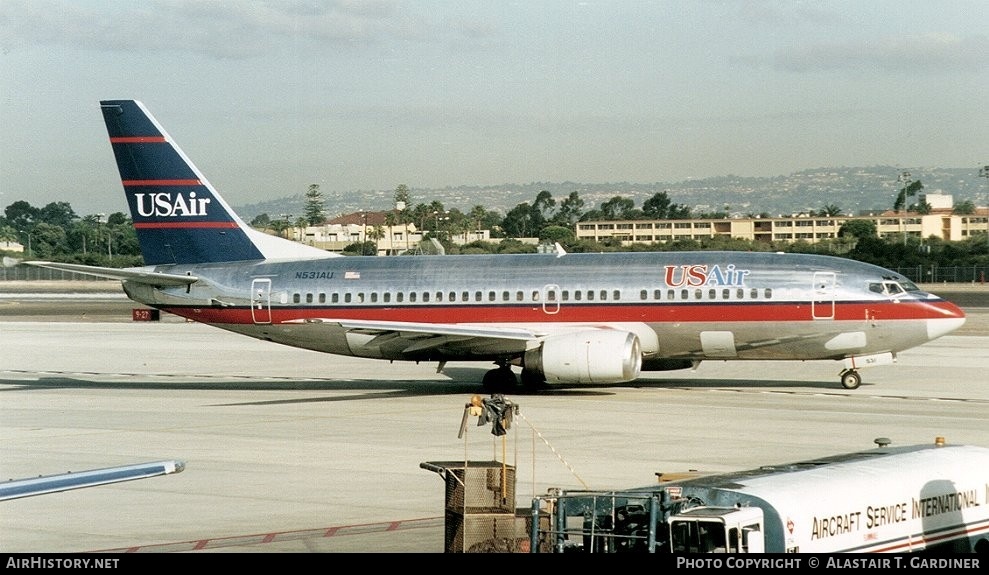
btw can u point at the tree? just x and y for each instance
(571, 209)
(22, 216)
(618, 208)
(402, 198)
(563, 235)
(518, 222)
(858, 229)
(57, 214)
(908, 190)
(543, 206)
(964, 208)
(830, 210)
(659, 207)
(261, 221)
(314, 213)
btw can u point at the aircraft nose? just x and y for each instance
(953, 319)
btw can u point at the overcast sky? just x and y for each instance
(268, 97)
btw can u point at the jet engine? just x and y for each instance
(592, 356)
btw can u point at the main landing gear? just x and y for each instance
(850, 379)
(502, 379)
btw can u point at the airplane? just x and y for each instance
(563, 318)
(17, 488)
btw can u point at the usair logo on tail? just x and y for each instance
(162, 204)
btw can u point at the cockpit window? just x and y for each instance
(889, 288)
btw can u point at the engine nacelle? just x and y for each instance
(592, 356)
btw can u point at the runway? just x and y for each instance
(292, 451)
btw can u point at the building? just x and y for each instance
(940, 223)
(336, 234)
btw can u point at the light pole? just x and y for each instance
(984, 173)
(363, 231)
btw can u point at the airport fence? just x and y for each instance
(28, 273)
(947, 274)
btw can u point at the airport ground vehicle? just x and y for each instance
(889, 499)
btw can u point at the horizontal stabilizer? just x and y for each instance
(136, 275)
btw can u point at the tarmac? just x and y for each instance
(290, 451)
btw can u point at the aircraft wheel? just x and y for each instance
(500, 380)
(850, 379)
(532, 379)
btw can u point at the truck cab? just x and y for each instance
(717, 530)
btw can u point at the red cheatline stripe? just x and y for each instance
(137, 140)
(167, 225)
(161, 182)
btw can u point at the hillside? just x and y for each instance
(854, 190)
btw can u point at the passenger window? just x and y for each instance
(346, 298)
(684, 294)
(670, 294)
(519, 296)
(657, 294)
(643, 295)
(726, 293)
(400, 297)
(360, 297)
(712, 293)
(465, 296)
(452, 296)
(698, 293)
(755, 293)
(616, 295)
(308, 298)
(504, 296)
(576, 295)
(374, 297)
(768, 293)
(590, 295)
(565, 295)
(335, 298)
(491, 296)
(535, 295)
(387, 297)
(322, 297)
(412, 297)
(296, 298)
(425, 296)
(604, 295)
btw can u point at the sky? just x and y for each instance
(269, 97)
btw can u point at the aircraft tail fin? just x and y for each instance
(178, 216)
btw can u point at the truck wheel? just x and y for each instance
(850, 379)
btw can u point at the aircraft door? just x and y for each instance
(261, 300)
(822, 299)
(551, 299)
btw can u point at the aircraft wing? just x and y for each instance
(414, 337)
(16, 488)
(136, 275)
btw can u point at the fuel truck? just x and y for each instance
(932, 497)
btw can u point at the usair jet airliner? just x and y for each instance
(554, 318)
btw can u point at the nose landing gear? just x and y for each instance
(850, 379)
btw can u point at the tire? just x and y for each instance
(851, 379)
